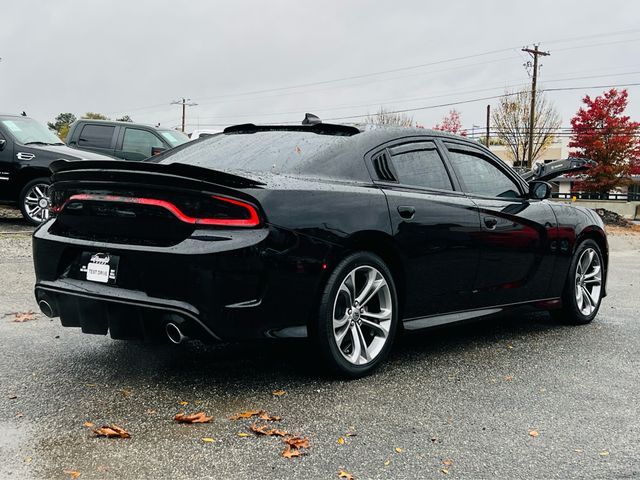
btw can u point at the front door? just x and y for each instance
(7, 168)
(515, 235)
(433, 225)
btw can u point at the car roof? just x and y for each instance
(116, 122)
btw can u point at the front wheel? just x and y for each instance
(358, 315)
(584, 288)
(34, 201)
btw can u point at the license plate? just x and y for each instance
(99, 267)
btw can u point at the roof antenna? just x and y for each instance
(311, 119)
(24, 114)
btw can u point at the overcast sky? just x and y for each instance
(272, 61)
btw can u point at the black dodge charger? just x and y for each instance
(318, 230)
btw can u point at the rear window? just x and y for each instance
(274, 151)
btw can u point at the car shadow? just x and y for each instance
(258, 366)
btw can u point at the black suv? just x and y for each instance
(27, 148)
(126, 140)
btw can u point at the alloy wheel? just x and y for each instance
(362, 314)
(36, 202)
(588, 284)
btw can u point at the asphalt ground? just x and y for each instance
(459, 402)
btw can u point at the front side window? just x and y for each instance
(140, 141)
(480, 177)
(96, 136)
(421, 168)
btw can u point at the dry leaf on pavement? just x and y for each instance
(340, 440)
(533, 433)
(247, 414)
(111, 431)
(269, 418)
(266, 430)
(293, 446)
(199, 417)
(73, 474)
(21, 317)
(345, 475)
(278, 393)
(447, 461)
(289, 452)
(208, 439)
(398, 450)
(88, 424)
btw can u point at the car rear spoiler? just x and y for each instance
(550, 170)
(60, 167)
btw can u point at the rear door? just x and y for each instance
(516, 260)
(98, 138)
(432, 223)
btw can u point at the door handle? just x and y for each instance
(490, 222)
(406, 211)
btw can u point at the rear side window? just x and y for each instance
(480, 177)
(274, 151)
(420, 167)
(97, 136)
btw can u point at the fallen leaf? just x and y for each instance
(508, 378)
(398, 450)
(604, 453)
(183, 403)
(27, 459)
(269, 418)
(247, 414)
(150, 411)
(73, 474)
(509, 346)
(208, 439)
(579, 450)
(448, 462)
(289, 452)
(111, 431)
(199, 417)
(445, 471)
(21, 317)
(266, 430)
(278, 393)
(19, 414)
(297, 442)
(88, 424)
(533, 433)
(243, 434)
(12, 397)
(345, 475)
(340, 440)
(387, 463)
(351, 434)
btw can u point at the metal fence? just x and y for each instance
(629, 197)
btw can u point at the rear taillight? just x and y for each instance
(220, 211)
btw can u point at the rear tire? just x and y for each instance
(583, 290)
(34, 201)
(358, 316)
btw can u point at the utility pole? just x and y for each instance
(185, 104)
(535, 53)
(488, 123)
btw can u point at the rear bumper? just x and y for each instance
(222, 285)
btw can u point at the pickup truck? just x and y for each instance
(27, 148)
(126, 140)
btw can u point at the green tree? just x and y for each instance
(95, 116)
(124, 118)
(61, 124)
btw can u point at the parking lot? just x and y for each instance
(516, 397)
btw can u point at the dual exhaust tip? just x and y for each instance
(175, 333)
(173, 330)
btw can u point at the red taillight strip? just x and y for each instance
(252, 221)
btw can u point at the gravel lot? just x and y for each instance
(458, 402)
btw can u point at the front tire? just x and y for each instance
(34, 201)
(583, 291)
(358, 315)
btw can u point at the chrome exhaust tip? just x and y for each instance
(174, 333)
(46, 308)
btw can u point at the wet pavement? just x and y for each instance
(462, 399)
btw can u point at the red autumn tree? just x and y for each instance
(603, 133)
(451, 123)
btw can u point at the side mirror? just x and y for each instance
(539, 190)
(157, 150)
(3, 143)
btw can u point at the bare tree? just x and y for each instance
(511, 121)
(386, 118)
